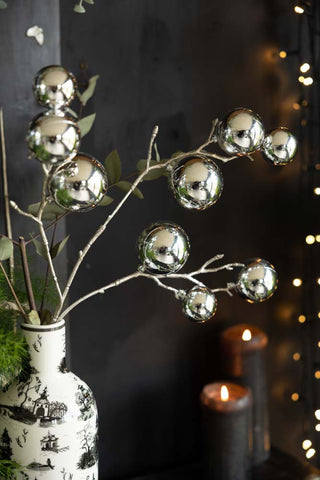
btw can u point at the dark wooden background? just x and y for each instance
(178, 64)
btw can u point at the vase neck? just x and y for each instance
(47, 346)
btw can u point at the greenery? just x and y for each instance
(9, 469)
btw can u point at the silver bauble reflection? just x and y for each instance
(257, 281)
(54, 87)
(79, 185)
(280, 146)
(199, 304)
(197, 183)
(240, 132)
(163, 248)
(53, 138)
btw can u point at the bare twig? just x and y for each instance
(47, 272)
(23, 313)
(26, 274)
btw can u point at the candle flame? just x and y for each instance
(224, 393)
(246, 336)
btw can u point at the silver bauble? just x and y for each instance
(199, 304)
(240, 132)
(163, 248)
(197, 183)
(257, 281)
(54, 87)
(280, 146)
(53, 138)
(79, 185)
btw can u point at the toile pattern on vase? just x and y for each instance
(48, 419)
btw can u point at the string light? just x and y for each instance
(305, 67)
(318, 281)
(297, 282)
(310, 239)
(295, 397)
(299, 9)
(306, 444)
(282, 54)
(318, 344)
(310, 453)
(317, 374)
(301, 79)
(302, 318)
(318, 238)
(296, 356)
(308, 81)
(296, 106)
(316, 190)
(317, 427)
(317, 414)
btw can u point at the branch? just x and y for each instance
(26, 274)
(23, 313)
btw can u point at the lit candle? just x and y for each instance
(243, 350)
(227, 415)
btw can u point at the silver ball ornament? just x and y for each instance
(163, 248)
(199, 304)
(257, 281)
(79, 185)
(53, 138)
(197, 183)
(280, 146)
(54, 87)
(240, 132)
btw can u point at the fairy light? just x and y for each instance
(316, 190)
(296, 106)
(318, 280)
(282, 54)
(308, 81)
(295, 397)
(317, 414)
(306, 444)
(310, 239)
(247, 335)
(317, 427)
(310, 453)
(318, 238)
(297, 282)
(317, 374)
(296, 356)
(318, 344)
(302, 318)
(305, 67)
(301, 79)
(299, 9)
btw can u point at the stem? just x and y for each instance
(47, 272)
(26, 274)
(12, 291)
(52, 224)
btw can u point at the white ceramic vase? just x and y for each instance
(48, 421)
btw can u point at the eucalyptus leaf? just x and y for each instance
(72, 112)
(6, 248)
(105, 201)
(125, 187)
(87, 94)
(34, 318)
(113, 167)
(40, 248)
(46, 317)
(79, 8)
(153, 174)
(85, 124)
(91, 2)
(51, 211)
(58, 247)
(3, 4)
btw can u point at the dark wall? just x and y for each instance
(179, 64)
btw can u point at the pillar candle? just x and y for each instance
(243, 354)
(226, 426)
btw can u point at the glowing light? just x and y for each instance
(316, 191)
(317, 414)
(310, 239)
(297, 282)
(304, 103)
(317, 374)
(299, 9)
(310, 453)
(308, 81)
(317, 427)
(296, 106)
(224, 393)
(302, 318)
(296, 356)
(318, 281)
(303, 122)
(318, 238)
(305, 67)
(282, 54)
(306, 444)
(246, 336)
(301, 79)
(295, 397)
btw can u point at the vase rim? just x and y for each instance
(43, 328)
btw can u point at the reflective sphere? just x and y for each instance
(240, 132)
(163, 248)
(54, 87)
(79, 185)
(199, 304)
(280, 146)
(53, 138)
(197, 183)
(257, 281)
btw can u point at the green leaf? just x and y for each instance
(154, 174)
(157, 152)
(3, 4)
(105, 201)
(113, 167)
(6, 248)
(176, 154)
(58, 247)
(51, 211)
(85, 124)
(46, 317)
(40, 248)
(87, 94)
(34, 318)
(72, 112)
(79, 8)
(125, 187)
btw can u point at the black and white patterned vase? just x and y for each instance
(48, 420)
